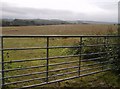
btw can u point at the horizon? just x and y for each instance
(61, 20)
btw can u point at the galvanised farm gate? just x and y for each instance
(53, 58)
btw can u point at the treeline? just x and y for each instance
(34, 22)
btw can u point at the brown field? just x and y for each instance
(78, 29)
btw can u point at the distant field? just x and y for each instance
(78, 29)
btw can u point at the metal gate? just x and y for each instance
(30, 61)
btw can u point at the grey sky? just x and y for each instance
(95, 10)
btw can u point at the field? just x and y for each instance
(86, 29)
(81, 29)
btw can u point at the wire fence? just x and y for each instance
(31, 61)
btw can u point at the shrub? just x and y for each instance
(111, 54)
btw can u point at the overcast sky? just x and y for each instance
(95, 10)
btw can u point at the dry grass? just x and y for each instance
(79, 29)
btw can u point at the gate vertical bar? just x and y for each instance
(47, 57)
(106, 49)
(2, 60)
(80, 57)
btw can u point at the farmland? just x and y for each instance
(78, 29)
(85, 29)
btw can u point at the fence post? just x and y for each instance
(80, 57)
(119, 29)
(2, 63)
(47, 57)
(119, 18)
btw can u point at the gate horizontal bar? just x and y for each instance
(76, 71)
(22, 75)
(8, 70)
(56, 36)
(60, 80)
(55, 47)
